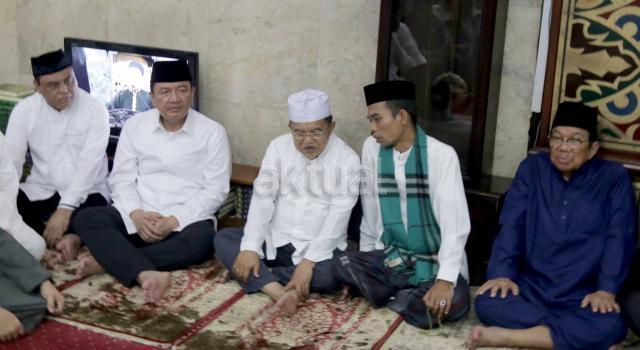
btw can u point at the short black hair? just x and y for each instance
(408, 105)
(329, 119)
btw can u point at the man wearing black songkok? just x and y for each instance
(170, 174)
(415, 220)
(568, 230)
(66, 131)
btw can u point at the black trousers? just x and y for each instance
(365, 271)
(36, 213)
(125, 255)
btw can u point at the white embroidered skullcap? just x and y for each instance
(308, 106)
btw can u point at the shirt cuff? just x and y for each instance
(608, 286)
(449, 274)
(254, 246)
(317, 257)
(501, 273)
(66, 206)
(68, 202)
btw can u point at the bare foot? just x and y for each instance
(52, 258)
(481, 336)
(155, 283)
(288, 302)
(88, 266)
(10, 326)
(69, 245)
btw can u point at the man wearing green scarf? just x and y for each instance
(415, 218)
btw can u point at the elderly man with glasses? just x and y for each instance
(300, 208)
(568, 230)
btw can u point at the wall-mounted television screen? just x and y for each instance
(118, 74)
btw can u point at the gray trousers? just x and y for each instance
(227, 247)
(20, 278)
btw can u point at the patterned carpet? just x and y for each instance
(200, 313)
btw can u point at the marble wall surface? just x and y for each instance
(253, 54)
(516, 87)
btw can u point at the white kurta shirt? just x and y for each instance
(303, 202)
(448, 202)
(10, 219)
(68, 148)
(184, 173)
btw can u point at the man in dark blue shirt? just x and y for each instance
(568, 230)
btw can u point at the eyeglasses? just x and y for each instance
(314, 134)
(572, 142)
(180, 92)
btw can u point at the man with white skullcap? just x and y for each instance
(302, 200)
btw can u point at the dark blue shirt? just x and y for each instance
(561, 240)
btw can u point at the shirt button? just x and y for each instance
(563, 217)
(565, 202)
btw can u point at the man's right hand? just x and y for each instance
(247, 262)
(144, 221)
(501, 285)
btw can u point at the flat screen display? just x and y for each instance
(118, 74)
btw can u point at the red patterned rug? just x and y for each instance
(199, 312)
(51, 335)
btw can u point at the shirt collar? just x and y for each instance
(188, 127)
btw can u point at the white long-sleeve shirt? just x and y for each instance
(184, 173)
(68, 148)
(10, 219)
(303, 202)
(448, 202)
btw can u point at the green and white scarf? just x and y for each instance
(414, 252)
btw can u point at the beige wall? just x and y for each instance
(254, 53)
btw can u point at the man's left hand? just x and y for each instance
(301, 278)
(601, 301)
(166, 225)
(54, 299)
(57, 226)
(438, 298)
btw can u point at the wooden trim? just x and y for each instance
(550, 73)
(384, 43)
(483, 76)
(242, 174)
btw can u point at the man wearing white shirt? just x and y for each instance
(415, 219)
(66, 131)
(171, 173)
(300, 208)
(10, 220)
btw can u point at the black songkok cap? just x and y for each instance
(170, 71)
(389, 90)
(49, 62)
(577, 115)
